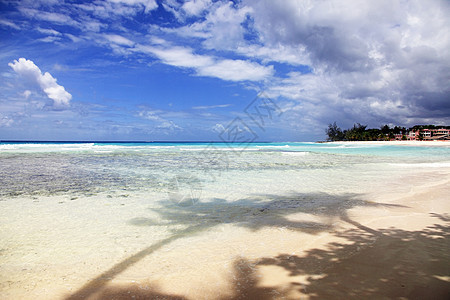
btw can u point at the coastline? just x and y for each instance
(395, 143)
(384, 235)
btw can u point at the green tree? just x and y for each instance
(334, 133)
(373, 134)
(357, 133)
(385, 129)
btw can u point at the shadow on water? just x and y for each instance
(256, 213)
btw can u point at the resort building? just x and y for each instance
(442, 131)
(411, 136)
(398, 136)
(428, 134)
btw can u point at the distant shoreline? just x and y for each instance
(396, 143)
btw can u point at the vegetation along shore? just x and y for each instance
(386, 133)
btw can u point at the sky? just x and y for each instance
(201, 70)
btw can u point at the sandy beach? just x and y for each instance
(389, 241)
(397, 143)
(397, 250)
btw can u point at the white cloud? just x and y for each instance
(177, 56)
(169, 125)
(219, 128)
(73, 38)
(277, 53)
(163, 125)
(50, 39)
(91, 25)
(29, 71)
(9, 24)
(195, 7)
(6, 121)
(222, 27)
(53, 17)
(26, 94)
(211, 106)
(204, 65)
(370, 60)
(48, 31)
(149, 5)
(237, 70)
(111, 11)
(152, 115)
(362, 59)
(119, 40)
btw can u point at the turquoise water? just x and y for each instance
(333, 148)
(92, 168)
(336, 148)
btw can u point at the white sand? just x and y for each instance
(390, 241)
(397, 143)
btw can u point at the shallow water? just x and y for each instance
(105, 203)
(89, 169)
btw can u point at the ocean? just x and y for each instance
(88, 169)
(77, 216)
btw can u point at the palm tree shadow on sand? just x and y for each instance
(254, 213)
(385, 264)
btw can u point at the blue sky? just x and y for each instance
(195, 70)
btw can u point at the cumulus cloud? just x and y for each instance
(224, 26)
(221, 29)
(368, 58)
(276, 53)
(331, 59)
(356, 53)
(195, 7)
(29, 71)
